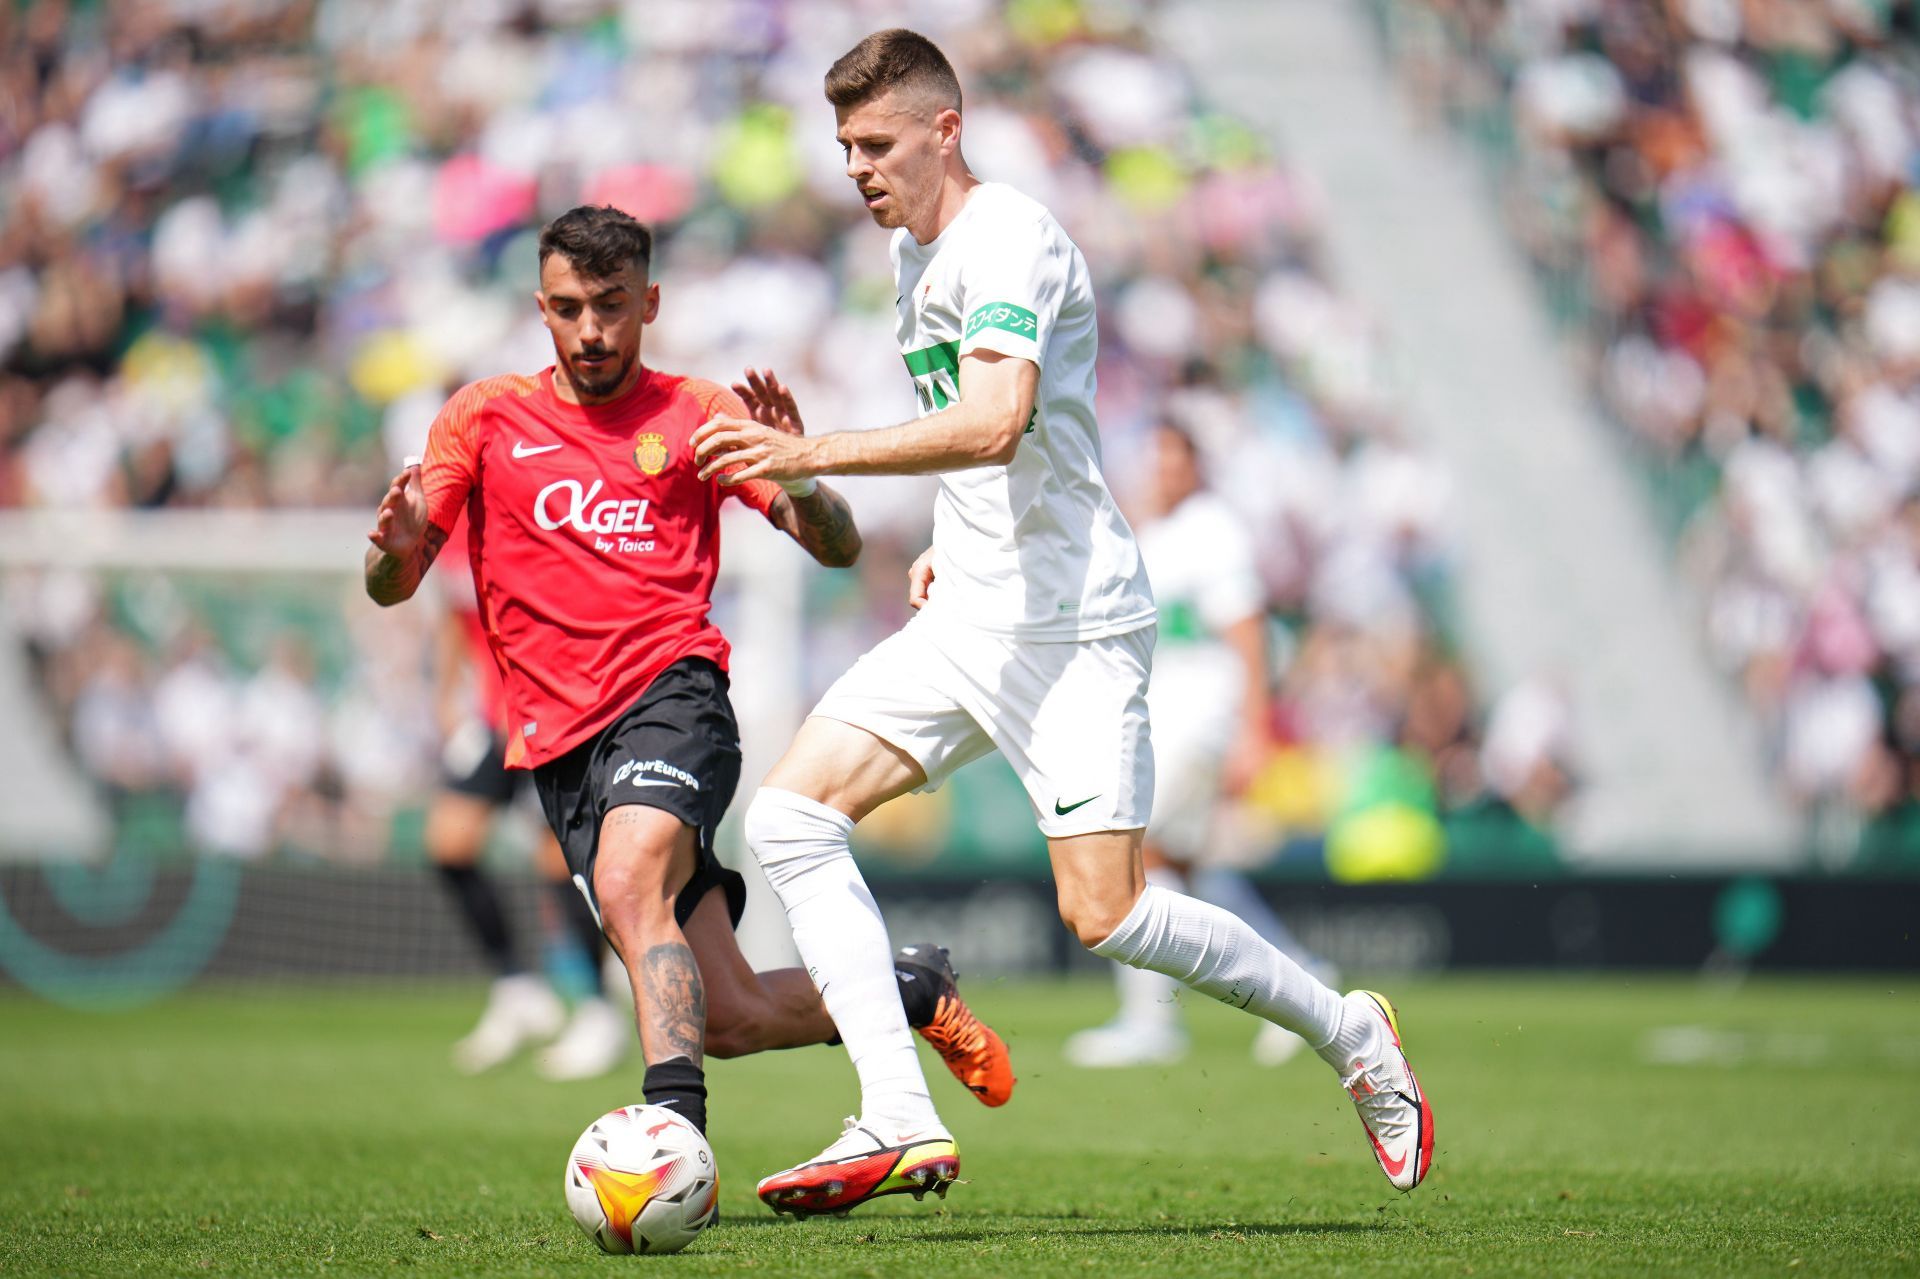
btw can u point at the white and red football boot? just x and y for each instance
(1379, 1078)
(866, 1162)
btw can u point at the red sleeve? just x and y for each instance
(451, 466)
(717, 401)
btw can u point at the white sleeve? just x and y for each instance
(1010, 290)
(1231, 590)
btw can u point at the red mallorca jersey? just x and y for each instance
(594, 544)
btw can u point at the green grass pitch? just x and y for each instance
(1580, 1132)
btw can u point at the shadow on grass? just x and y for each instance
(1055, 1225)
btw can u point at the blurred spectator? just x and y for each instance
(253, 241)
(1723, 202)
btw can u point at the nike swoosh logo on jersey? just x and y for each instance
(1062, 812)
(520, 449)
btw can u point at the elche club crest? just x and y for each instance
(650, 453)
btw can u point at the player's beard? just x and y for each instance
(603, 383)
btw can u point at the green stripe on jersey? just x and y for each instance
(1180, 622)
(1003, 315)
(928, 359)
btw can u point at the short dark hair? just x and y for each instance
(599, 240)
(1167, 426)
(892, 59)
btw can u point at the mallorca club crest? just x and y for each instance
(650, 453)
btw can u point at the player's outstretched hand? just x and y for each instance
(770, 401)
(737, 450)
(1248, 754)
(920, 579)
(401, 524)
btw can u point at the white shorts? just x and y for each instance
(1070, 716)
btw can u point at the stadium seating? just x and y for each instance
(1722, 203)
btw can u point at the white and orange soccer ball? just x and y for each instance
(642, 1179)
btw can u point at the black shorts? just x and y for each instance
(676, 749)
(467, 769)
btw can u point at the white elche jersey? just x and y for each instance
(1036, 549)
(1205, 578)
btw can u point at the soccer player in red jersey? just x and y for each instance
(476, 787)
(594, 543)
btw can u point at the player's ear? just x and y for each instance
(946, 126)
(650, 307)
(540, 300)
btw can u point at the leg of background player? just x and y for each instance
(645, 856)
(749, 1012)
(520, 1008)
(456, 834)
(596, 1038)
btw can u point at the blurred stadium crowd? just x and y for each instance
(252, 244)
(1723, 200)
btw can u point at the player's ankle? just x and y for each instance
(680, 1085)
(902, 1113)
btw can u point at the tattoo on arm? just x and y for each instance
(392, 578)
(676, 1001)
(823, 523)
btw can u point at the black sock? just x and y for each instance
(679, 1085)
(480, 906)
(917, 995)
(579, 916)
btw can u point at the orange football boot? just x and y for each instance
(977, 1056)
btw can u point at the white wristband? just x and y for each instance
(800, 488)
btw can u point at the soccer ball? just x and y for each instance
(642, 1179)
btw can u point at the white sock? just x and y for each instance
(801, 844)
(1233, 891)
(1147, 998)
(1218, 955)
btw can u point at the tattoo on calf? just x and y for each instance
(676, 1001)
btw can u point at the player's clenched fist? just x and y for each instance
(401, 522)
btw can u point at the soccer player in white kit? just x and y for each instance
(1034, 637)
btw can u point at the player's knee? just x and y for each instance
(1093, 918)
(453, 838)
(634, 901)
(451, 856)
(791, 834)
(764, 828)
